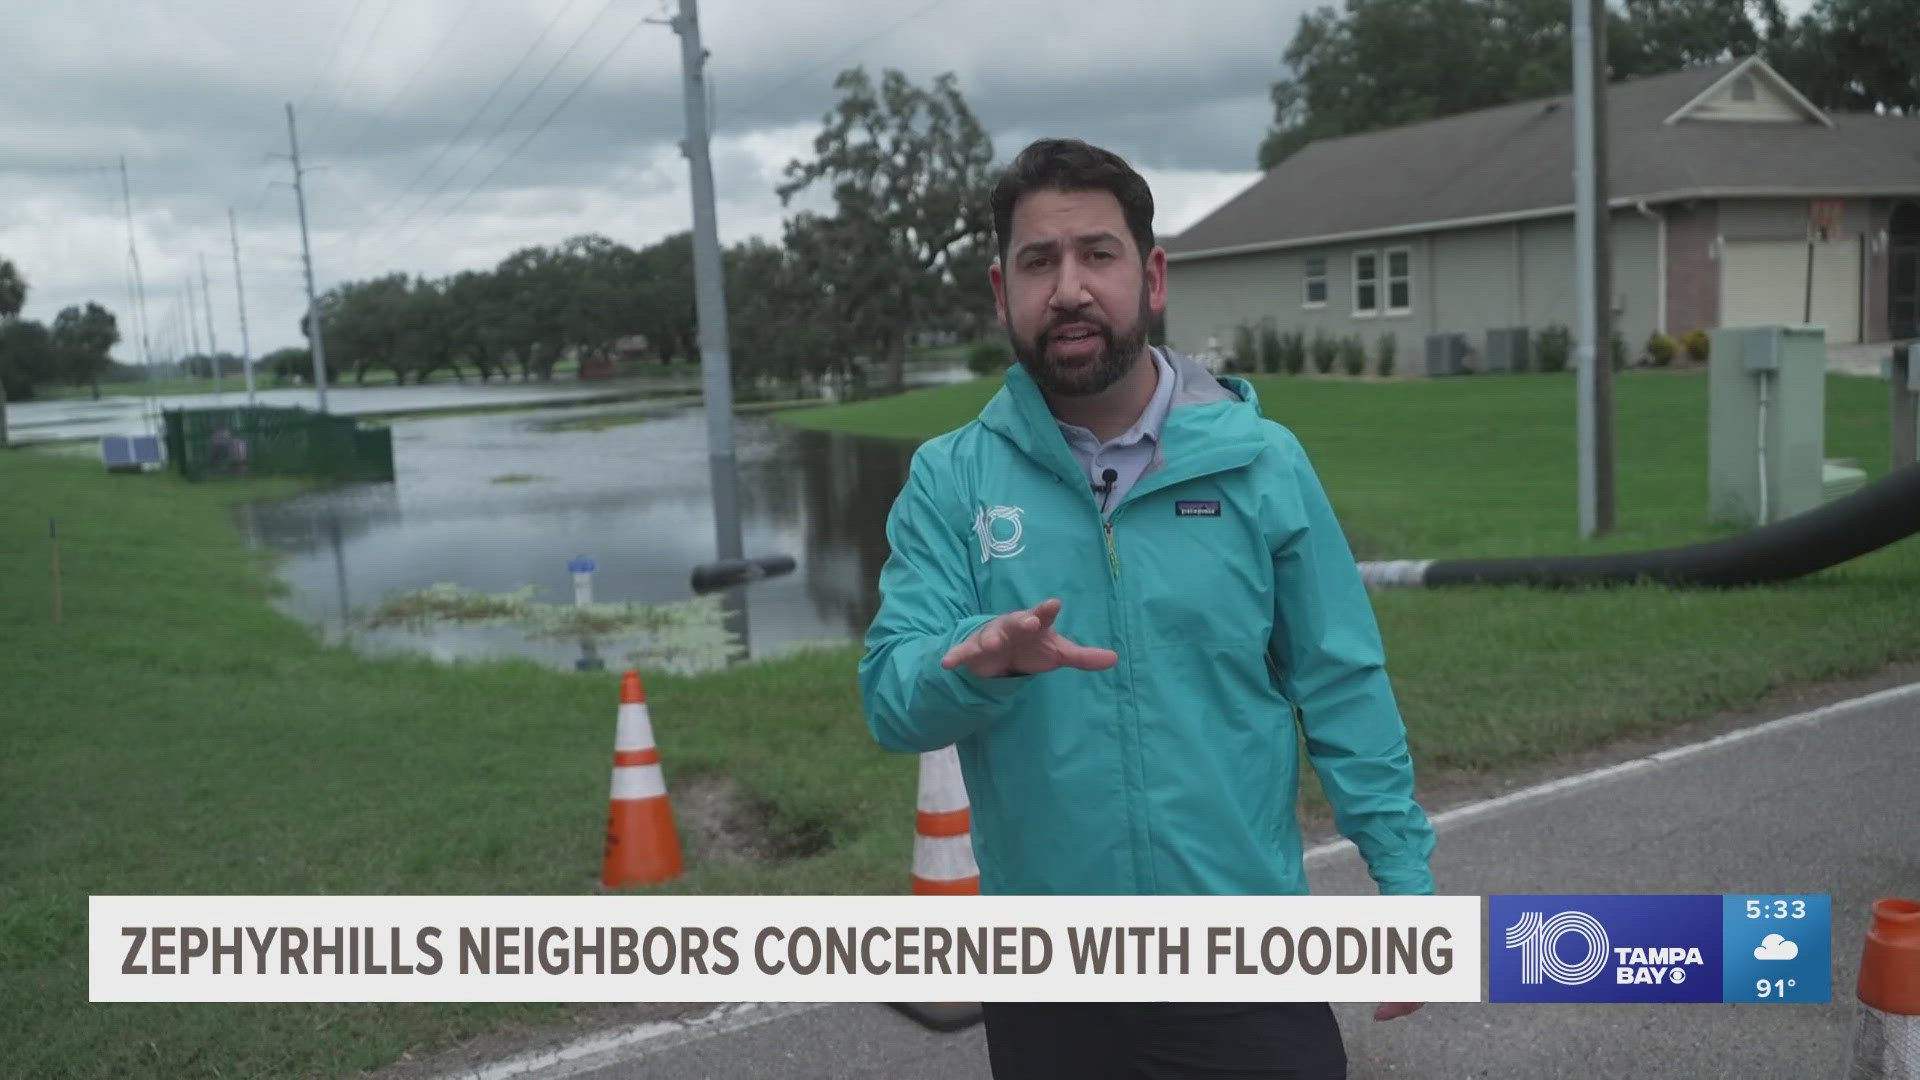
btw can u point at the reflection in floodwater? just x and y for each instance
(634, 498)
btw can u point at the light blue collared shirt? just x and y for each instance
(1130, 453)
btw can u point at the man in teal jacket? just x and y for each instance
(1118, 591)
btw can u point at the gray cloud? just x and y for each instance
(193, 94)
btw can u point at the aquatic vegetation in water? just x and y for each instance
(691, 633)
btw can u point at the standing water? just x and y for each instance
(497, 503)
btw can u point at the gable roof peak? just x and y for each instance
(1755, 69)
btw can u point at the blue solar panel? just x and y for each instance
(131, 452)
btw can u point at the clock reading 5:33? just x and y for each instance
(1777, 948)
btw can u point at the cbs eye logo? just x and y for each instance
(1538, 940)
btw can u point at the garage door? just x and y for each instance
(1764, 282)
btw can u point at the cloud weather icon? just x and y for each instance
(1775, 947)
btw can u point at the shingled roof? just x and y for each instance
(1515, 161)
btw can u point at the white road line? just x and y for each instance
(1470, 811)
(626, 1044)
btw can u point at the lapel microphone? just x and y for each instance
(1105, 488)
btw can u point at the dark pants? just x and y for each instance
(1273, 1041)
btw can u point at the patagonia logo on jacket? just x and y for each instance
(1197, 508)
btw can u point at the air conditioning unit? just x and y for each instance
(1509, 349)
(1446, 354)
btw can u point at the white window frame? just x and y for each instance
(1387, 279)
(1307, 278)
(1379, 279)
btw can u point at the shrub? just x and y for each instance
(1269, 349)
(1553, 347)
(988, 358)
(1697, 344)
(1245, 357)
(1353, 355)
(1384, 351)
(1293, 351)
(1325, 351)
(1662, 349)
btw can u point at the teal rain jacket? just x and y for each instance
(1226, 586)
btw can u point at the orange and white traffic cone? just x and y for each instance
(943, 865)
(1886, 1040)
(642, 844)
(943, 830)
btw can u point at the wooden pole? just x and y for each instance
(53, 534)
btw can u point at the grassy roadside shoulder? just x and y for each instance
(1493, 678)
(175, 734)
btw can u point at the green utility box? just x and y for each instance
(1766, 423)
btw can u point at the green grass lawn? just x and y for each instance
(175, 734)
(1465, 467)
(1498, 677)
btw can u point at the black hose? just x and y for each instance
(1866, 520)
(727, 573)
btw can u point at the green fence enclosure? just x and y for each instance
(217, 443)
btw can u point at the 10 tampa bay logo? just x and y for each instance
(1538, 939)
(1605, 948)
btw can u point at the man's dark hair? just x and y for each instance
(1071, 165)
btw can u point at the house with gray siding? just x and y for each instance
(1733, 201)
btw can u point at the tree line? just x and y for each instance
(904, 249)
(1384, 63)
(76, 349)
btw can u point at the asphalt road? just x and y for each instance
(1826, 804)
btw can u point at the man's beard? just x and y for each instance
(1115, 359)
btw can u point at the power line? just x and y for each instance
(836, 59)
(500, 128)
(332, 54)
(447, 147)
(346, 84)
(319, 77)
(419, 69)
(542, 126)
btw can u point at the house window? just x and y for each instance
(1399, 281)
(1366, 283)
(1314, 278)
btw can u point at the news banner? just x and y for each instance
(1507, 948)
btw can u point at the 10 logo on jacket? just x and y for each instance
(1616, 948)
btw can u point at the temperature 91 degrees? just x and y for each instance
(1767, 988)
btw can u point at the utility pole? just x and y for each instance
(240, 294)
(314, 337)
(206, 306)
(1593, 357)
(139, 286)
(709, 285)
(193, 330)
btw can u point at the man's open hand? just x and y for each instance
(1025, 643)
(1393, 1010)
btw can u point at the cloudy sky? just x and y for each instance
(443, 134)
